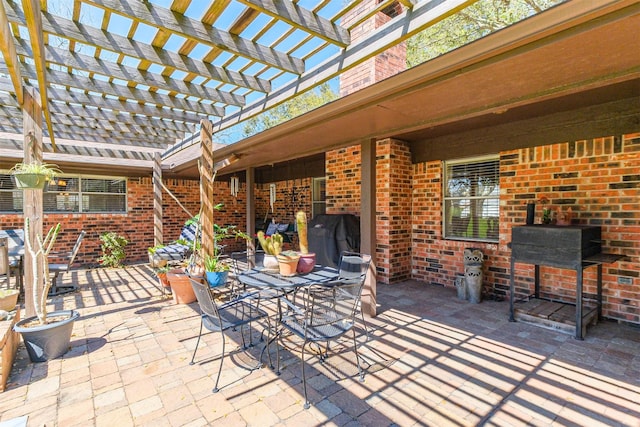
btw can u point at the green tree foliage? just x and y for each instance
(294, 107)
(476, 21)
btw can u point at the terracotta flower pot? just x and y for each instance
(181, 287)
(288, 264)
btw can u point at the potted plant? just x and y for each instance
(46, 335)
(307, 261)
(161, 274)
(288, 263)
(272, 247)
(33, 175)
(153, 262)
(216, 268)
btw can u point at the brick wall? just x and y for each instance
(343, 180)
(381, 66)
(136, 225)
(597, 178)
(393, 201)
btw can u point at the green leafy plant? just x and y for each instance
(112, 249)
(36, 168)
(215, 264)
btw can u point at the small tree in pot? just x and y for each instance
(46, 336)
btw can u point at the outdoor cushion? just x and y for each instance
(271, 229)
(178, 251)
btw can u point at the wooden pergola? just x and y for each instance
(136, 78)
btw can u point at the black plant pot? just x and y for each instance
(50, 341)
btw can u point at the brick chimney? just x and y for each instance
(378, 68)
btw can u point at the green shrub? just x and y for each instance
(112, 249)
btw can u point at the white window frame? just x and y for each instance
(79, 193)
(490, 228)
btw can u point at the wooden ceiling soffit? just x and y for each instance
(102, 39)
(193, 29)
(407, 24)
(302, 19)
(124, 92)
(8, 49)
(62, 95)
(119, 117)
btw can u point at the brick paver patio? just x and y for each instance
(431, 360)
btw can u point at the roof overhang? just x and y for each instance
(576, 54)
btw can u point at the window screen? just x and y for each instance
(472, 199)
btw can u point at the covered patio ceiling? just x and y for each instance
(123, 79)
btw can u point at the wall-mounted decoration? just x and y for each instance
(234, 184)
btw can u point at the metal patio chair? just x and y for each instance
(218, 316)
(58, 268)
(325, 314)
(353, 268)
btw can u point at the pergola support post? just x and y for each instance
(251, 214)
(157, 200)
(368, 222)
(32, 199)
(206, 187)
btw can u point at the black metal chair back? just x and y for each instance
(326, 312)
(221, 316)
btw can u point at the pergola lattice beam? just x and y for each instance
(119, 117)
(33, 16)
(188, 28)
(409, 23)
(135, 76)
(117, 105)
(302, 19)
(125, 92)
(8, 49)
(102, 39)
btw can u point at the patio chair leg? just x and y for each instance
(307, 405)
(215, 388)
(197, 342)
(364, 323)
(355, 349)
